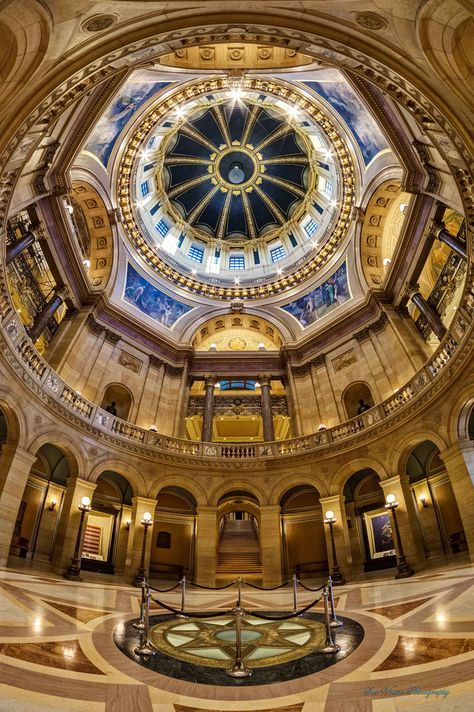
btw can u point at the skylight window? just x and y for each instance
(196, 253)
(311, 227)
(162, 227)
(236, 262)
(277, 253)
(144, 188)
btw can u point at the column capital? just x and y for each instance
(458, 449)
(410, 289)
(270, 509)
(264, 380)
(394, 480)
(210, 380)
(206, 509)
(144, 502)
(336, 499)
(63, 292)
(14, 452)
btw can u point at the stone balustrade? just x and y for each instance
(48, 384)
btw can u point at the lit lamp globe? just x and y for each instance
(390, 499)
(85, 503)
(147, 517)
(337, 577)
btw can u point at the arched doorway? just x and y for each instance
(41, 505)
(105, 535)
(370, 529)
(238, 548)
(173, 535)
(304, 542)
(436, 505)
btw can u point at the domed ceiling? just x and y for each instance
(236, 170)
(236, 190)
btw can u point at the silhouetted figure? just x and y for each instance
(111, 408)
(363, 407)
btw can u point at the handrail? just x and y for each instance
(50, 387)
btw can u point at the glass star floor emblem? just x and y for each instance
(211, 641)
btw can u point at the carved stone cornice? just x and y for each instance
(173, 371)
(155, 362)
(362, 335)
(93, 326)
(112, 337)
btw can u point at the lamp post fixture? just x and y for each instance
(337, 577)
(74, 571)
(141, 575)
(403, 567)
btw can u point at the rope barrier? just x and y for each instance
(209, 588)
(165, 590)
(313, 590)
(285, 618)
(188, 613)
(261, 588)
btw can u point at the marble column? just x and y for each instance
(451, 241)
(271, 544)
(15, 466)
(17, 247)
(357, 554)
(341, 534)
(411, 534)
(140, 505)
(123, 530)
(208, 414)
(43, 317)
(205, 548)
(68, 528)
(267, 415)
(459, 461)
(431, 316)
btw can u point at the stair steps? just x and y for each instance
(239, 549)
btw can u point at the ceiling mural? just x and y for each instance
(333, 292)
(332, 87)
(134, 93)
(151, 301)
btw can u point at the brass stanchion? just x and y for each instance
(183, 598)
(239, 591)
(335, 622)
(295, 594)
(145, 647)
(329, 645)
(140, 624)
(238, 669)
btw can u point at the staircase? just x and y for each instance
(239, 550)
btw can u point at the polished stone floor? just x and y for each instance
(57, 649)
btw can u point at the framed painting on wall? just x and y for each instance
(379, 534)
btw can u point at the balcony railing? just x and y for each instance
(46, 383)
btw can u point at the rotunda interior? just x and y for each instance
(236, 293)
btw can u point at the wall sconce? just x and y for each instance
(127, 525)
(52, 505)
(424, 502)
(349, 522)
